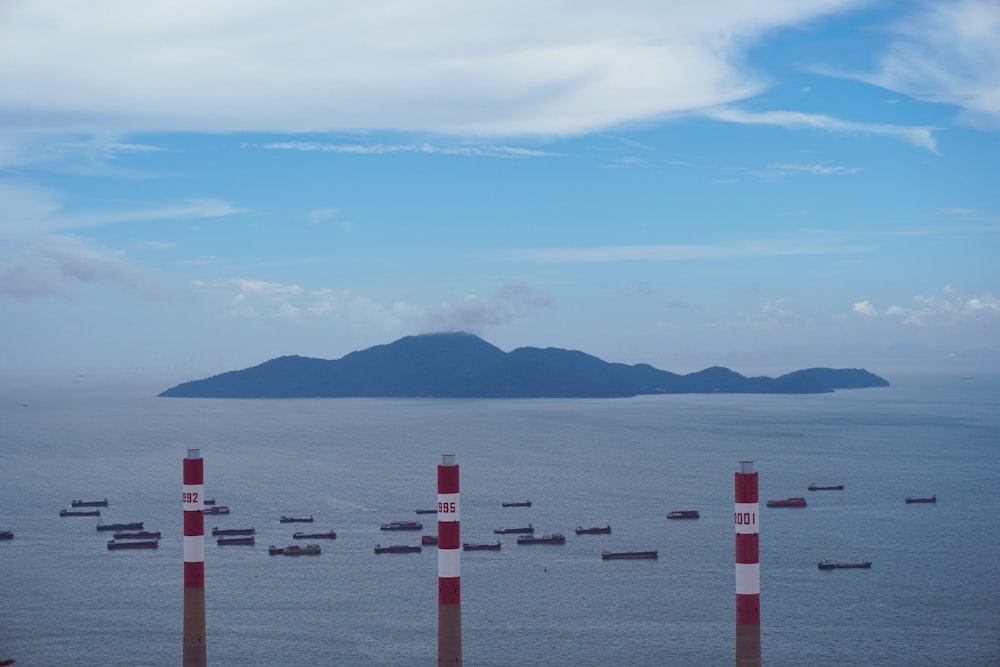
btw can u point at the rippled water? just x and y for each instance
(931, 597)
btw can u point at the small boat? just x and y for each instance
(910, 501)
(593, 530)
(295, 550)
(141, 535)
(629, 555)
(427, 511)
(506, 531)
(836, 487)
(239, 539)
(547, 538)
(296, 519)
(397, 549)
(481, 546)
(403, 525)
(787, 502)
(90, 503)
(321, 535)
(683, 514)
(147, 544)
(517, 503)
(428, 539)
(120, 527)
(79, 512)
(827, 564)
(6, 534)
(218, 509)
(216, 532)
(208, 501)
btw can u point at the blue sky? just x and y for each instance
(188, 188)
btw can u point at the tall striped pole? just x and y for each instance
(747, 520)
(449, 564)
(194, 560)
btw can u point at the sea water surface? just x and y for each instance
(931, 597)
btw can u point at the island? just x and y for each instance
(463, 365)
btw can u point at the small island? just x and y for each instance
(462, 365)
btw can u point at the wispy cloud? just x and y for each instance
(382, 149)
(921, 136)
(946, 52)
(671, 252)
(816, 169)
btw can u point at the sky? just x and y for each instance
(188, 188)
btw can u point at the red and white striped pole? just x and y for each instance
(194, 560)
(449, 564)
(747, 520)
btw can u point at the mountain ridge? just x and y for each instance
(463, 365)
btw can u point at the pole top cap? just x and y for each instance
(746, 467)
(447, 459)
(194, 454)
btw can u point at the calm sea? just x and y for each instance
(931, 598)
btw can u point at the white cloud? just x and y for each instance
(864, 308)
(491, 68)
(933, 310)
(816, 169)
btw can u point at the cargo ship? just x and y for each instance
(683, 514)
(427, 511)
(835, 487)
(481, 546)
(547, 538)
(79, 512)
(428, 539)
(787, 502)
(147, 544)
(141, 535)
(932, 499)
(517, 503)
(295, 550)
(398, 549)
(507, 531)
(827, 564)
(321, 535)
(247, 540)
(6, 534)
(296, 519)
(218, 509)
(216, 532)
(135, 525)
(593, 530)
(629, 555)
(90, 503)
(403, 525)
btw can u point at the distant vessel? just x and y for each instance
(239, 539)
(481, 546)
(208, 501)
(320, 535)
(428, 539)
(6, 534)
(397, 549)
(90, 503)
(517, 503)
(427, 511)
(79, 512)
(836, 487)
(932, 499)
(506, 531)
(141, 535)
(593, 530)
(787, 502)
(827, 564)
(218, 509)
(402, 525)
(135, 525)
(547, 538)
(295, 550)
(147, 544)
(232, 531)
(296, 519)
(683, 514)
(629, 555)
